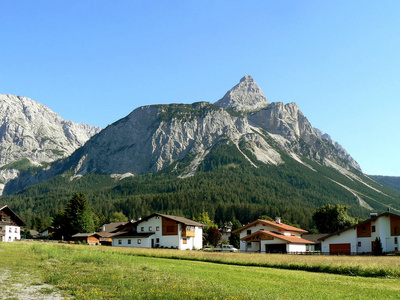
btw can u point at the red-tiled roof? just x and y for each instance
(290, 239)
(280, 226)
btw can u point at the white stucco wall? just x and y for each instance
(145, 242)
(349, 236)
(11, 233)
(296, 248)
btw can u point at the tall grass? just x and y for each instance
(367, 266)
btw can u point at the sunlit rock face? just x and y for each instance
(32, 135)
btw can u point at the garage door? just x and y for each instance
(339, 249)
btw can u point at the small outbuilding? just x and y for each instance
(88, 238)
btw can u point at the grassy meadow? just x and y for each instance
(88, 272)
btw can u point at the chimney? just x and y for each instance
(278, 220)
(373, 215)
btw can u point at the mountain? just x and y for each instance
(392, 181)
(152, 138)
(32, 136)
(239, 157)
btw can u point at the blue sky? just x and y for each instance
(96, 61)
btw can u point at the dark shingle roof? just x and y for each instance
(181, 220)
(85, 234)
(12, 214)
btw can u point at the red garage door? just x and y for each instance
(339, 249)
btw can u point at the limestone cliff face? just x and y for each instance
(33, 135)
(152, 138)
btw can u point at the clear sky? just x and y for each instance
(96, 61)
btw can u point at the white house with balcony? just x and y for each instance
(265, 236)
(360, 238)
(10, 225)
(164, 231)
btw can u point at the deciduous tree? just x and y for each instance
(331, 218)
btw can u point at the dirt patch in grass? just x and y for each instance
(17, 285)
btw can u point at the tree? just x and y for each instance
(118, 217)
(37, 224)
(331, 218)
(205, 219)
(213, 236)
(234, 239)
(77, 217)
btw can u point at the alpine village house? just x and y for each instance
(360, 238)
(10, 224)
(159, 230)
(272, 237)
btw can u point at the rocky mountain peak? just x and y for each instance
(245, 96)
(31, 134)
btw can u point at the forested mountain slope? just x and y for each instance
(393, 181)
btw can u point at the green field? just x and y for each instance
(88, 272)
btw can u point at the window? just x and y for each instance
(359, 244)
(395, 240)
(9, 230)
(142, 229)
(157, 240)
(363, 229)
(249, 232)
(139, 241)
(119, 242)
(16, 230)
(129, 242)
(395, 230)
(150, 228)
(373, 228)
(157, 228)
(185, 241)
(248, 245)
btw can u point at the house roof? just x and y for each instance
(372, 219)
(278, 226)
(86, 235)
(113, 226)
(48, 229)
(133, 234)
(34, 232)
(288, 239)
(181, 220)
(12, 214)
(314, 237)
